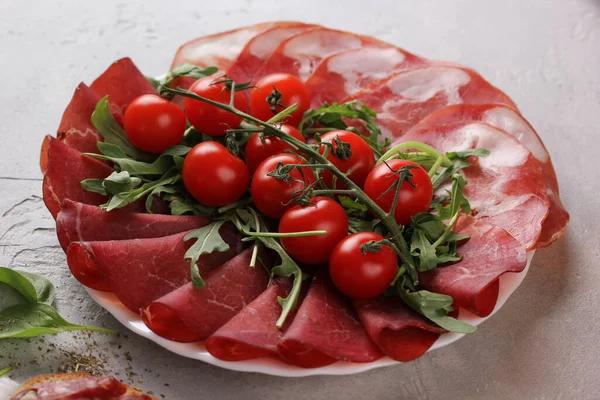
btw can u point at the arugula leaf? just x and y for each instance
(5, 371)
(180, 205)
(34, 288)
(352, 206)
(435, 307)
(208, 240)
(111, 131)
(421, 247)
(457, 199)
(184, 70)
(460, 161)
(118, 182)
(34, 319)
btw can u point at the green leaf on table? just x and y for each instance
(34, 288)
(208, 240)
(34, 319)
(6, 371)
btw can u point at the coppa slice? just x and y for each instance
(326, 329)
(506, 188)
(188, 314)
(73, 386)
(139, 271)
(510, 121)
(259, 49)
(252, 332)
(348, 72)
(407, 97)
(300, 55)
(399, 332)
(78, 222)
(473, 282)
(122, 82)
(65, 169)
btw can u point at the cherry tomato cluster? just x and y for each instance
(361, 265)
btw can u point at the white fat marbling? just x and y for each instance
(221, 47)
(423, 84)
(263, 45)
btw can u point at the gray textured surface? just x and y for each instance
(545, 54)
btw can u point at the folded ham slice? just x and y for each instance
(139, 271)
(400, 333)
(252, 332)
(510, 121)
(301, 54)
(122, 82)
(473, 282)
(78, 222)
(65, 169)
(188, 314)
(326, 329)
(407, 97)
(507, 187)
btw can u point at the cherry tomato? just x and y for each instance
(210, 119)
(292, 91)
(259, 147)
(273, 196)
(362, 274)
(213, 175)
(412, 200)
(153, 123)
(324, 214)
(357, 165)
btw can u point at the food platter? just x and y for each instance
(508, 284)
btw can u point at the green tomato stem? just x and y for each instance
(435, 166)
(280, 116)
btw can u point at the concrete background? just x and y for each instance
(544, 53)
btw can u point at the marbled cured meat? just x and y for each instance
(473, 282)
(407, 97)
(188, 314)
(74, 387)
(139, 271)
(326, 329)
(78, 222)
(400, 333)
(510, 121)
(507, 187)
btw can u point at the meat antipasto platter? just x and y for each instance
(293, 199)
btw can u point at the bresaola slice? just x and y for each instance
(139, 271)
(301, 54)
(506, 188)
(78, 222)
(65, 169)
(252, 332)
(407, 97)
(188, 314)
(326, 329)
(259, 49)
(400, 333)
(473, 282)
(122, 82)
(348, 72)
(510, 121)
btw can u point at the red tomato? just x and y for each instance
(362, 275)
(273, 196)
(325, 214)
(153, 123)
(259, 148)
(412, 200)
(359, 164)
(292, 90)
(210, 119)
(213, 175)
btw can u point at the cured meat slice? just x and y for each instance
(66, 168)
(348, 72)
(252, 332)
(510, 121)
(407, 97)
(400, 333)
(122, 82)
(260, 48)
(220, 49)
(300, 55)
(473, 282)
(188, 314)
(326, 329)
(139, 271)
(76, 386)
(78, 222)
(507, 187)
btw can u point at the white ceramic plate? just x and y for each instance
(508, 284)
